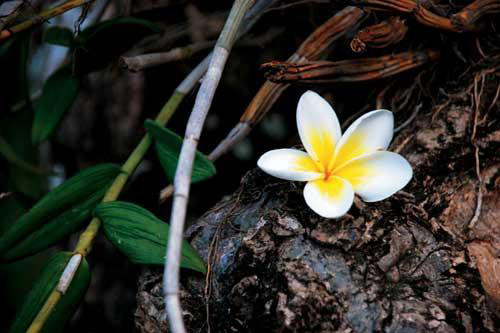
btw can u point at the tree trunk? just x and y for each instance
(426, 259)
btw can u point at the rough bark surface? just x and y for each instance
(426, 259)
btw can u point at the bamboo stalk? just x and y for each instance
(86, 239)
(182, 180)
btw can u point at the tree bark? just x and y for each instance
(426, 259)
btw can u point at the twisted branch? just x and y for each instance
(352, 70)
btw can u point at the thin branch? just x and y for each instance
(9, 11)
(182, 180)
(311, 49)
(477, 102)
(140, 62)
(87, 237)
(42, 17)
(296, 3)
(410, 119)
(172, 34)
(320, 40)
(462, 21)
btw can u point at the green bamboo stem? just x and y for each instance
(84, 245)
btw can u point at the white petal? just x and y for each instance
(370, 132)
(331, 198)
(318, 126)
(289, 164)
(377, 176)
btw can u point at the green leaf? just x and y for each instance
(104, 42)
(47, 281)
(10, 155)
(15, 125)
(58, 94)
(12, 207)
(55, 230)
(168, 147)
(64, 197)
(141, 236)
(59, 36)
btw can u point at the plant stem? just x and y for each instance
(85, 242)
(140, 62)
(84, 245)
(311, 49)
(184, 168)
(42, 17)
(37, 324)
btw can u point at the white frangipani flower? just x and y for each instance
(338, 166)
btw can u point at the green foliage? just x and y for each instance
(15, 123)
(56, 229)
(95, 47)
(59, 36)
(141, 236)
(58, 95)
(168, 147)
(65, 197)
(7, 152)
(103, 42)
(43, 287)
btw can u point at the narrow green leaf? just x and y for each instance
(141, 236)
(64, 197)
(168, 147)
(104, 42)
(56, 229)
(15, 126)
(10, 155)
(43, 287)
(59, 36)
(12, 207)
(58, 95)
